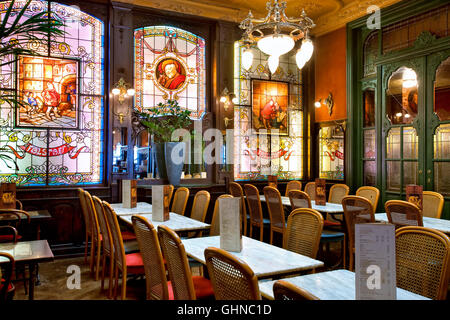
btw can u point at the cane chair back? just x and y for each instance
(237, 191)
(86, 217)
(433, 203)
(200, 205)
(299, 199)
(310, 189)
(214, 229)
(403, 213)
(180, 200)
(232, 278)
(177, 264)
(370, 193)
(93, 214)
(254, 209)
(276, 211)
(155, 272)
(171, 188)
(103, 224)
(338, 192)
(303, 232)
(423, 261)
(284, 290)
(116, 235)
(293, 185)
(6, 276)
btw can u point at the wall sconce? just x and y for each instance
(228, 98)
(329, 102)
(123, 90)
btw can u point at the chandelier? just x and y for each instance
(276, 35)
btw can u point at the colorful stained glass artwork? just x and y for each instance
(169, 64)
(331, 153)
(57, 139)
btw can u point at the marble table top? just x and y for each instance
(264, 259)
(442, 225)
(330, 285)
(328, 207)
(141, 208)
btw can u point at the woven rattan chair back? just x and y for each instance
(293, 185)
(180, 200)
(237, 191)
(6, 275)
(423, 261)
(116, 235)
(299, 199)
(177, 264)
(171, 188)
(232, 279)
(93, 214)
(284, 290)
(200, 205)
(214, 230)
(254, 209)
(433, 203)
(310, 189)
(86, 217)
(303, 231)
(103, 224)
(155, 272)
(370, 193)
(338, 192)
(403, 213)
(276, 211)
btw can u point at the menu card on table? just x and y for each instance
(375, 269)
(230, 224)
(414, 194)
(129, 193)
(321, 198)
(7, 196)
(160, 203)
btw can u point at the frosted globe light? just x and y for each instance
(317, 104)
(115, 91)
(276, 45)
(407, 115)
(398, 114)
(247, 59)
(131, 92)
(235, 100)
(300, 59)
(307, 49)
(273, 63)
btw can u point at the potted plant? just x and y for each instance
(161, 121)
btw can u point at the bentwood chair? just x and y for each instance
(214, 229)
(303, 232)
(276, 212)
(232, 278)
(299, 199)
(423, 261)
(155, 271)
(370, 193)
(7, 288)
(310, 189)
(237, 191)
(403, 213)
(131, 263)
(433, 203)
(87, 222)
(171, 188)
(96, 237)
(284, 290)
(14, 218)
(184, 285)
(180, 200)
(255, 210)
(293, 185)
(356, 210)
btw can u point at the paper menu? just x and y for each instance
(230, 224)
(375, 268)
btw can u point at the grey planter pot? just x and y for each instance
(159, 155)
(174, 159)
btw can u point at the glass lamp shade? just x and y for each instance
(300, 59)
(130, 92)
(276, 45)
(307, 49)
(115, 91)
(273, 63)
(409, 78)
(247, 59)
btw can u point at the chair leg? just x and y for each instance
(261, 232)
(102, 287)
(97, 266)
(116, 281)
(86, 247)
(111, 277)
(91, 263)
(124, 284)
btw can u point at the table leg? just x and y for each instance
(32, 280)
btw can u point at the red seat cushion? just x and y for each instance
(9, 237)
(134, 262)
(202, 286)
(10, 285)
(327, 223)
(128, 235)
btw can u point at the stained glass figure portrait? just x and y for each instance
(170, 74)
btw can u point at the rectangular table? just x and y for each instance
(442, 225)
(330, 285)
(265, 260)
(36, 217)
(28, 253)
(327, 208)
(141, 208)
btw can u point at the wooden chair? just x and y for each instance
(87, 222)
(171, 188)
(403, 213)
(237, 191)
(276, 212)
(299, 199)
(303, 232)
(232, 279)
(337, 193)
(180, 200)
(370, 193)
(214, 230)
(356, 210)
(423, 261)
(200, 209)
(131, 263)
(184, 285)
(96, 237)
(155, 271)
(293, 185)
(284, 290)
(433, 203)
(310, 189)
(254, 209)
(13, 217)
(7, 288)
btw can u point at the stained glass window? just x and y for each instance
(331, 153)
(258, 152)
(58, 138)
(169, 64)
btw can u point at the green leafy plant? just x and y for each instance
(161, 121)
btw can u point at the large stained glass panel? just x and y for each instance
(169, 64)
(331, 153)
(57, 138)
